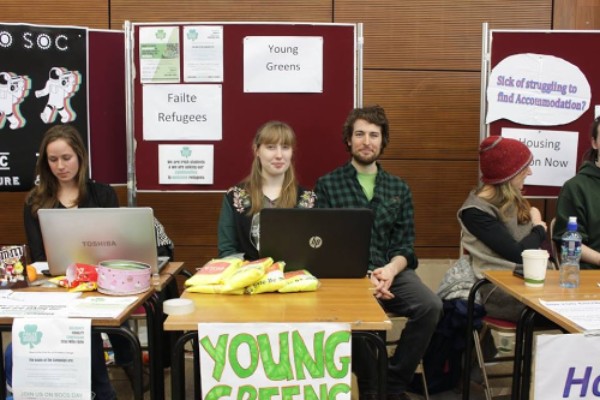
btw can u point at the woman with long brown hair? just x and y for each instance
(271, 183)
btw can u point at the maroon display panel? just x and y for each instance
(108, 143)
(575, 47)
(317, 118)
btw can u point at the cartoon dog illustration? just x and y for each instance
(13, 90)
(61, 85)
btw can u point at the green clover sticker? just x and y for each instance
(30, 336)
(186, 152)
(192, 35)
(161, 34)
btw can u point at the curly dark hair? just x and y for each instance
(372, 114)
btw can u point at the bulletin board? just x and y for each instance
(94, 106)
(575, 47)
(108, 150)
(317, 118)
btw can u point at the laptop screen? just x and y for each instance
(329, 243)
(91, 235)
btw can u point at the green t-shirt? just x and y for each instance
(367, 182)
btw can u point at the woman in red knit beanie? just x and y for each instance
(497, 223)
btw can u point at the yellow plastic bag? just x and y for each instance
(272, 281)
(299, 281)
(248, 274)
(215, 271)
(213, 289)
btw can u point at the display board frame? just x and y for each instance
(317, 118)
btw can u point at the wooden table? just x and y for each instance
(337, 300)
(151, 300)
(108, 325)
(531, 296)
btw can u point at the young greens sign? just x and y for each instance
(275, 361)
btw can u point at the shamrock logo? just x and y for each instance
(192, 34)
(161, 34)
(186, 152)
(30, 336)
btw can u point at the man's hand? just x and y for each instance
(383, 277)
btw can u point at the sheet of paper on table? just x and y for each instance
(585, 313)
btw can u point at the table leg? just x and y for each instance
(382, 360)
(154, 319)
(178, 366)
(466, 387)
(528, 328)
(136, 348)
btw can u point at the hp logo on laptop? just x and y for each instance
(315, 242)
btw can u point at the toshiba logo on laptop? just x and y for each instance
(99, 243)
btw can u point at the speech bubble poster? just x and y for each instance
(537, 90)
(275, 360)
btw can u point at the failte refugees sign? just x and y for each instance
(275, 361)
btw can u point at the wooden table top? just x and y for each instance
(337, 300)
(588, 290)
(166, 274)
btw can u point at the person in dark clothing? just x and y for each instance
(62, 182)
(580, 197)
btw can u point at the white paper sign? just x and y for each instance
(159, 54)
(203, 54)
(185, 164)
(276, 361)
(566, 367)
(182, 112)
(283, 64)
(554, 154)
(537, 89)
(51, 358)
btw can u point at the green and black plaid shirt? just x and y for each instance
(393, 231)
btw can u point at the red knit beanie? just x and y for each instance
(501, 159)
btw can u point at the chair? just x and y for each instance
(488, 325)
(398, 324)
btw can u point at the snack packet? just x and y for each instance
(213, 289)
(248, 274)
(299, 281)
(215, 271)
(271, 282)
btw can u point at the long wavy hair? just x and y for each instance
(509, 201)
(272, 132)
(45, 193)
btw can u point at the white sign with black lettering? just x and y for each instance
(554, 154)
(51, 358)
(182, 112)
(185, 164)
(283, 64)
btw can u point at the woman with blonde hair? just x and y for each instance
(497, 223)
(271, 183)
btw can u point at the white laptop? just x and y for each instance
(91, 235)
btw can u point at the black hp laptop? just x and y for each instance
(330, 243)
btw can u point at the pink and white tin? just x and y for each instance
(123, 277)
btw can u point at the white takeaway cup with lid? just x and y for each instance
(535, 263)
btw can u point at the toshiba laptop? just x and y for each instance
(329, 243)
(91, 235)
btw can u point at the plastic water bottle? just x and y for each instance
(570, 255)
